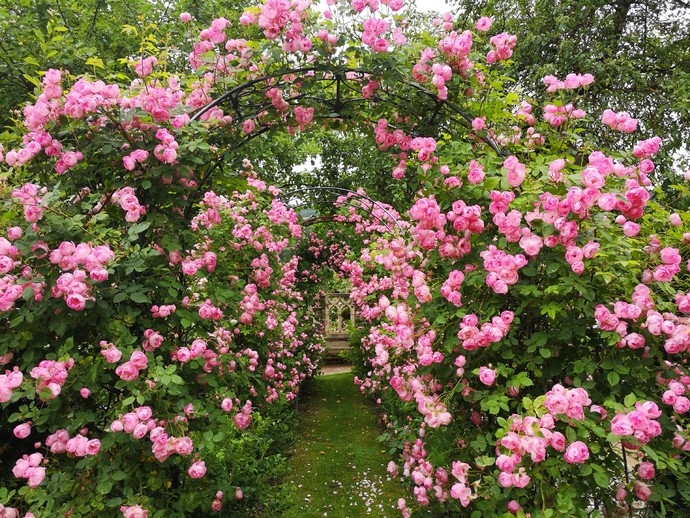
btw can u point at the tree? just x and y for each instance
(636, 50)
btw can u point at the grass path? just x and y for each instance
(339, 468)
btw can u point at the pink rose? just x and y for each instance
(242, 420)
(642, 491)
(134, 511)
(22, 431)
(487, 376)
(185, 17)
(197, 470)
(127, 371)
(36, 477)
(112, 354)
(484, 23)
(675, 220)
(184, 446)
(139, 360)
(576, 453)
(557, 441)
(646, 470)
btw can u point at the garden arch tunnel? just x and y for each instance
(339, 312)
(338, 90)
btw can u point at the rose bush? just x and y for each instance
(526, 328)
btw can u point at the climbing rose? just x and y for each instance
(646, 470)
(198, 469)
(484, 23)
(487, 376)
(576, 453)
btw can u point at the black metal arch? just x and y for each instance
(352, 199)
(248, 99)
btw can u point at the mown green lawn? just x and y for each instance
(339, 468)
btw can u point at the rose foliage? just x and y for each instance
(525, 328)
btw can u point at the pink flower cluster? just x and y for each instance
(215, 33)
(31, 197)
(373, 30)
(442, 73)
(250, 304)
(79, 445)
(138, 156)
(671, 259)
(571, 82)
(647, 148)
(162, 311)
(557, 115)
(195, 262)
(675, 396)
(244, 417)
(208, 311)
(526, 435)
(69, 256)
(304, 116)
(185, 354)
(491, 332)
(111, 353)
(8, 254)
(166, 151)
(431, 222)
(275, 16)
(516, 171)
(8, 382)
(503, 44)
(620, 121)
(29, 467)
(152, 341)
(502, 267)
(456, 48)
(450, 287)
(144, 66)
(129, 202)
(466, 217)
(88, 97)
(140, 423)
(569, 402)
(263, 271)
(52, 375)
(129, 370)
(476, 173)
(425, 353)
(638, 424)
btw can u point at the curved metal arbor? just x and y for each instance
(351, 198)
(339, 90)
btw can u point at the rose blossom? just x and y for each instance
(487, 376)
(576, 453)
(197, 470)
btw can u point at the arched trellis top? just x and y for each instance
(248, 100)
(346, 197)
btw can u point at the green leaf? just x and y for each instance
(613, 378)
(139, 297)
(602, 479)
(630, 400)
